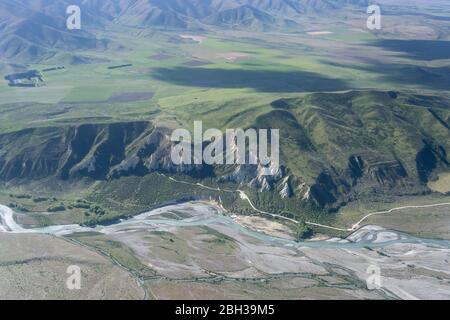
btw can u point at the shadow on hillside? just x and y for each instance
(435, 78)
(426, 50)
(260, 80)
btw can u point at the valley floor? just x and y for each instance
(364, 120)
(195, 251)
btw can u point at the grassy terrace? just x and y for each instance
(216, 79)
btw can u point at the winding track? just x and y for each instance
(7, 222)
(242, 194)
(354, 227)
(358, 224)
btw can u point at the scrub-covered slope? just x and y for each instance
(334, 148)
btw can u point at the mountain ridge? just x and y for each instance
(33, 29)
(325, 160)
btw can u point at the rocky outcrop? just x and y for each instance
(286, 189)
(110, 151)
(325, 160)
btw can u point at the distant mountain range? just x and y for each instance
(33, 28)
(30, 29)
